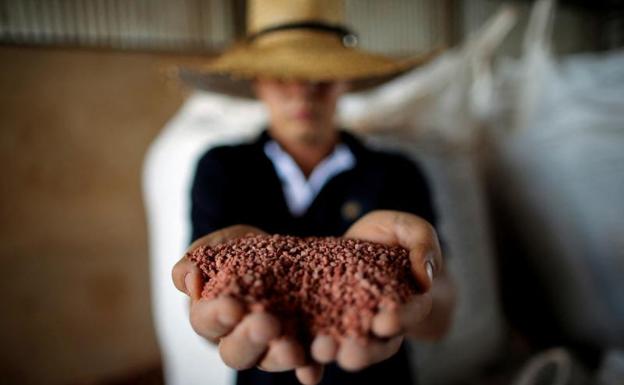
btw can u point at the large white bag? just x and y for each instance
(204, 121)
(560, 165)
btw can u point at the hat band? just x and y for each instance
(348, 37)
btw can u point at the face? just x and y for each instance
(301, 111)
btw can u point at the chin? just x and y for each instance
(310, 131)
(315, 138)
(310, 139)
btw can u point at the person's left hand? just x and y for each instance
(416, 318)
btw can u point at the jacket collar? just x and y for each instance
(353, 142)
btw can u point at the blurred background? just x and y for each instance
(86, 89)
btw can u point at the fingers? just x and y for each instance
(414, 313)
(246, 343)
(390, 323)
(244, 346)
(283, 354)
(355, 355)
(352, 354)
(425, 263)
(407, 230)
(324, 349)
(309, 375)
(187, 278)
(387, 323)
(192, 285)
(417, 309)
(212, 319)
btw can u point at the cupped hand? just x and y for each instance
(245, 339)
(390, 325)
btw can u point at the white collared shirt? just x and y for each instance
(299, 191)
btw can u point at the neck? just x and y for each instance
(307, 153)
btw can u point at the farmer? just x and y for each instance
(304, 176)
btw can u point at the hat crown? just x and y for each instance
(298, 39)
(262, 14)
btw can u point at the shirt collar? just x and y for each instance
(354, 144)
(300, 192)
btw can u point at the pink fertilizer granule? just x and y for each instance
(314, 285)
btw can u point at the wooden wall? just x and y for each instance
(74, 127)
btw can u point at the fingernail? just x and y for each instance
(188, 281)
(429, 270)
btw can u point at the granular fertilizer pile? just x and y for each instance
(314, 285)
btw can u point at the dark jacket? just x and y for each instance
(238, 185)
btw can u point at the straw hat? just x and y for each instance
(295, 40)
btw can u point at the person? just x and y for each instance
(304, 176)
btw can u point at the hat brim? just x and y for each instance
(232, 72)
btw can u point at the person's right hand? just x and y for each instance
(245, 339)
